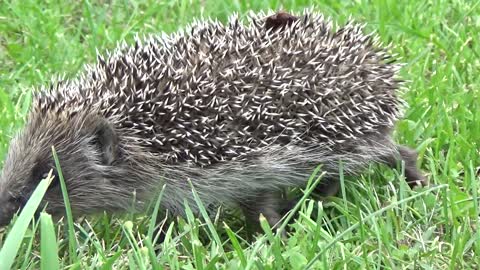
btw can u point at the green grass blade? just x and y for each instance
(29, 248)
(48, 244)
(236, 245)
(274, 240)
(153, 219)
(152, 255)
(72, 241)
(370, 216)
(135, 251)
(207, 219)
(14, 239)
(312, 183)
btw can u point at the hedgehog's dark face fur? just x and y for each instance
(87, 148)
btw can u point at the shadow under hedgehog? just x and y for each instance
(240, 111)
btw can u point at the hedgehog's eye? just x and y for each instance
(47, 172)
(12, 199)
(41, 172)
(55, 180)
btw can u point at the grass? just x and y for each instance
(376, 223)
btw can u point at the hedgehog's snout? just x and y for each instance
(7, 209)
(9, 205)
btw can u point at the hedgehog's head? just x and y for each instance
(89, 154)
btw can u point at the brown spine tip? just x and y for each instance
(279, 20)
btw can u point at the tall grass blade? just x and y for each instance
(72, 241)
(48, 243)
(9, 251)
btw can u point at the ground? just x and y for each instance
(376, 222)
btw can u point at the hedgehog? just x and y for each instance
(238, 111)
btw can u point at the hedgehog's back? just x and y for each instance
(219, 91)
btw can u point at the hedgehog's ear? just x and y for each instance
(107, 141)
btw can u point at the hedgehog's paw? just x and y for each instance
(413, 176)
(328, 187)
(266, 204)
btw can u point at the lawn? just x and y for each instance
(376, 222)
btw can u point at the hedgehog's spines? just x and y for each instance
(228, 71)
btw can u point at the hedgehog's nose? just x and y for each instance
(3, 222)
(7, 210)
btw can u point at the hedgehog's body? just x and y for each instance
(241, 111)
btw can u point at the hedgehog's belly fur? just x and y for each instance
(273, 168)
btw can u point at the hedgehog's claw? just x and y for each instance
(413, 176)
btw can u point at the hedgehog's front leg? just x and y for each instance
(265, 203)
(328, 186)
(413, 175)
